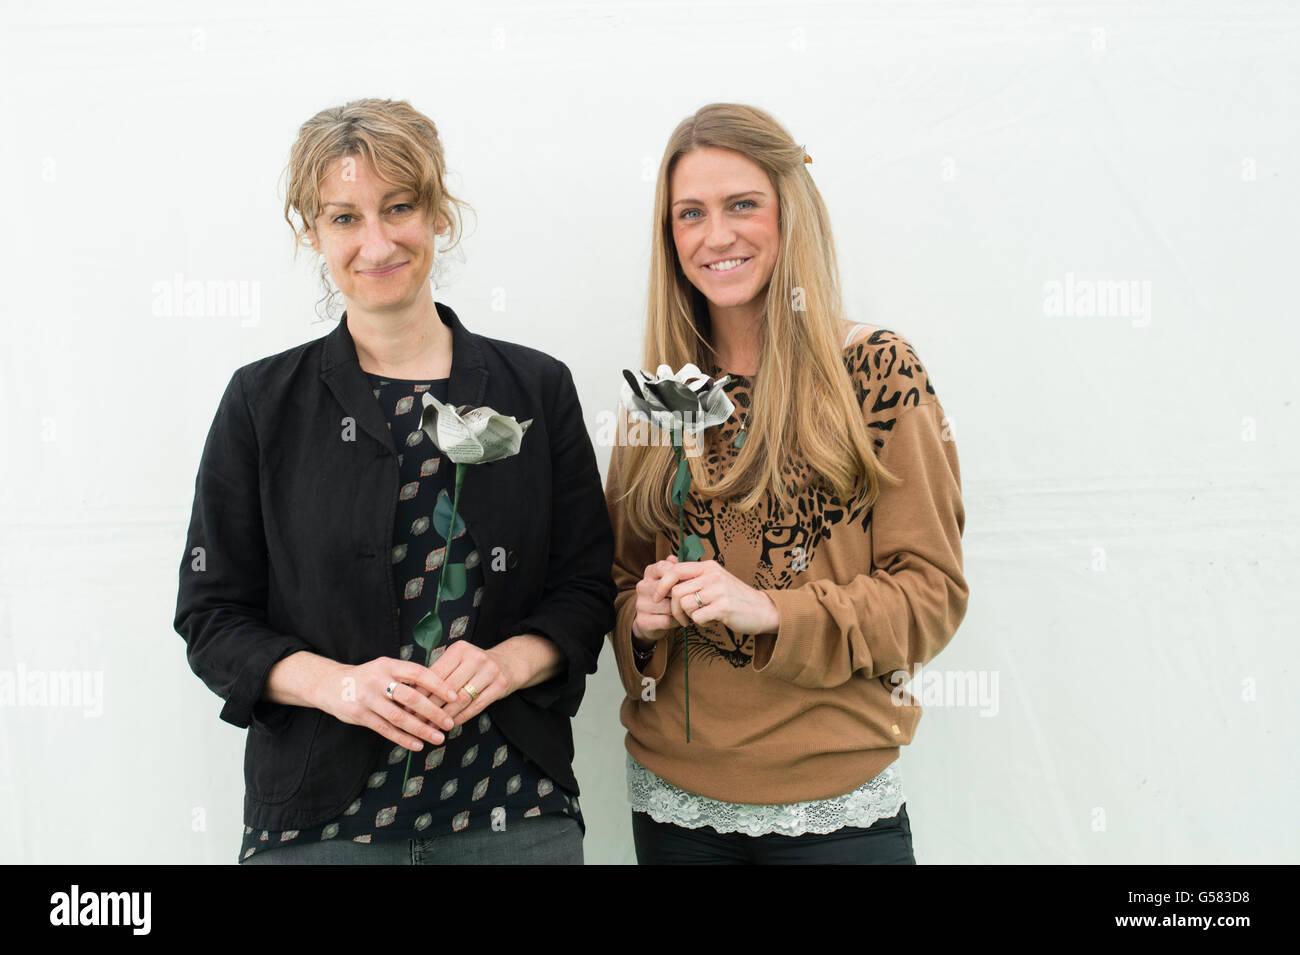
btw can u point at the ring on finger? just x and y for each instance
(388, 690)
(473, 693)
(699, 604)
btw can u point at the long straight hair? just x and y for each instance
(804, 404)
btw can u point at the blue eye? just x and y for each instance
(347, 215)
(740, 205)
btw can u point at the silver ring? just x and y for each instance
(388, 690)
(699, 604)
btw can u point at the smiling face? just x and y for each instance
(378, 245)
(725, 223)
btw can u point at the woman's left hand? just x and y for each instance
(489, 673)
(703, 591)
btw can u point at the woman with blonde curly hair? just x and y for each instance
(829, 509)
(342, 517)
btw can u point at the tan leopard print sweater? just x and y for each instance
(806, 713)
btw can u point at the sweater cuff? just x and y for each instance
(634, 677)
(784, 655)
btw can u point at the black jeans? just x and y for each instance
(888, 841)
(553, 839)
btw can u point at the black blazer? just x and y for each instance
(289, 549)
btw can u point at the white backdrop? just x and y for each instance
(1131, 536)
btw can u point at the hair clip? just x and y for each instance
(806, 158)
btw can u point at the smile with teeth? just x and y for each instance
(726, 265)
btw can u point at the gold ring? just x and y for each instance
(473, 693)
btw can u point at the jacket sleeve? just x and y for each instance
(577, 607)
(632, 555)
(909, 606)
(221, 602)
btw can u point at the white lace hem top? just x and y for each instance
(875, 799)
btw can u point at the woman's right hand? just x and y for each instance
(654, 618)
(355, 694)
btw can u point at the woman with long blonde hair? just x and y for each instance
(829, 509)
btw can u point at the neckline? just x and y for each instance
(730, 375)
(405, 381)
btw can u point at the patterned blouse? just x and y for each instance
(477, 778)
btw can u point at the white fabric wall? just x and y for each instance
(1130, 479)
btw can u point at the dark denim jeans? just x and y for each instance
(888, 841)
(544, 840)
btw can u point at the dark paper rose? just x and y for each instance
(686, 402)
(683, 403)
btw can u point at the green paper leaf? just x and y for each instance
(453, 581)
(428, 632)
(682, 482)
(692, 549)
(442, 517)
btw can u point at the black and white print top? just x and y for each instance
(477, 778)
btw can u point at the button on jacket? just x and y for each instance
(289, 548)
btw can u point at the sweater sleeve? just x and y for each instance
(632, 555)
(910, 604)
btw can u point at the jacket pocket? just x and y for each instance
(275, 766)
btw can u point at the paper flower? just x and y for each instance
(683, 403)
(470, 435)
(467, 435)
(688, 401)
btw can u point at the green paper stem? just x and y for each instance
(437, 597)
(683, 554)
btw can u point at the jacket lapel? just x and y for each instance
(342, 375)
(467, 386)
(468, 371)
(341, 372)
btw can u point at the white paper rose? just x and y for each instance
(688, 401)
(469, 435)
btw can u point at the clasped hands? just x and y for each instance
(426, 702)
(676, 593)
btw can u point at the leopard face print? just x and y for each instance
(888, 378)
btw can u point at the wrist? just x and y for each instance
(642, 653)
(774, 616)
(509, 665)
(640, 645)
(527, 659)
(327, 679)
